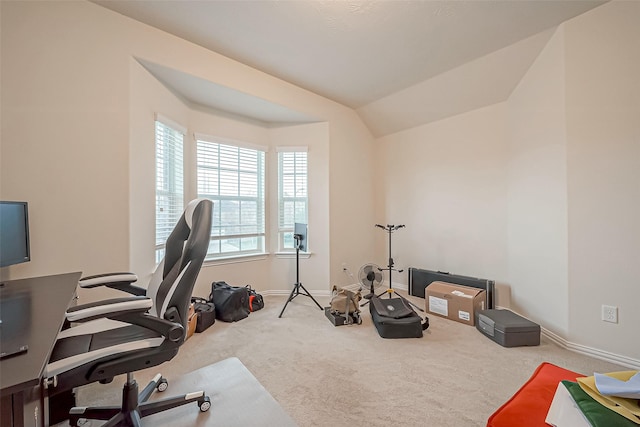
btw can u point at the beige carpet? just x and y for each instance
(337, 376)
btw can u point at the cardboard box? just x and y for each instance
(455, 302)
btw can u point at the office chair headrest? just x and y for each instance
(188, 212)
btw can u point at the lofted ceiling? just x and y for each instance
(376, 56)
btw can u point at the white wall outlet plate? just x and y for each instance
(610, 313)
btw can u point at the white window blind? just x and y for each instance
(233, 177)
(169, 183)
(292, 194)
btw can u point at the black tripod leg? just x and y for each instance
(291, 296)
(310, 296)
(298, 285)
(378, 296)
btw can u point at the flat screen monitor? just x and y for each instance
(14, 233)
(300, 230)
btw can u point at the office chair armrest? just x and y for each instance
(120, 281)
(109, 308)
(173, 331)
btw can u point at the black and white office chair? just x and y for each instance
(123, 335)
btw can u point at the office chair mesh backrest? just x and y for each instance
(185, 250)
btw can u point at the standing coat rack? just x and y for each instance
(390, 228)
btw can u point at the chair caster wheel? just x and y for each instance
(163, 384)
(204, 404)
(78, 422)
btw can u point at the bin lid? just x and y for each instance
(508, 321)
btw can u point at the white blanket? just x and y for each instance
(564, 411)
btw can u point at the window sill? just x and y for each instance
(235, 259)
(303, 255)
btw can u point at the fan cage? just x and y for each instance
(364, 273)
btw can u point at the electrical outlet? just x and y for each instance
(610, 313)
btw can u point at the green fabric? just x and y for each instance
(597, 414)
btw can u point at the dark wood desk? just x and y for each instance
(44, 300)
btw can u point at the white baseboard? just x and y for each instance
(592, 352)
(401, 287)
(588, 351)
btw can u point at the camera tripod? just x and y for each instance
(390, 291)
(296, 288)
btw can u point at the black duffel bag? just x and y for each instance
(205, 312)
(256, 302)
(231, 302)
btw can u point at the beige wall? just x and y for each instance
(65, 135)
(603, 147)
(537, 191)
(351, 207)
(147, 97)
(77, 143)
(446, 182)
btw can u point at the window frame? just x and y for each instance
(244, 149)
(174, 179)
(282, 223)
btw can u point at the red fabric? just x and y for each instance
(529, 406)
